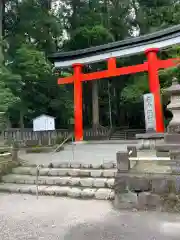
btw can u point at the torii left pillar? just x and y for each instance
(78, 102)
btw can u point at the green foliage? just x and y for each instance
(7, 99)
(133, 92)
(166, 75)
(28, 21)
(86, 37)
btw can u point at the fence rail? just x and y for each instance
(49, 137)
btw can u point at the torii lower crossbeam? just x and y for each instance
(152, 66)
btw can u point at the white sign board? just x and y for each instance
(149, 112)
(44, 123)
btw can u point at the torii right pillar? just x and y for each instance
(154, 87)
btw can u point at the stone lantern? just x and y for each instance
(174, 106)
(172, 137)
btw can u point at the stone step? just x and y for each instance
(72, 172)
(60, 181)
(104, 165)
(74, 192)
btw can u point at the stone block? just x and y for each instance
(162, 153)
(110, 182)
(86, 182)
(73, 172)
(42, 190)
(175, 155)
(103, 194)
(88, 193)
(21, 179)
(8, 179)
(96, 166)
(138, 184)
(62, 181)
(62, 191)
(33, 189)
(21, 170)
(84, 172)
(24, 189)
(177, 184)
(147, 200)
(15, 189)
(44, 171)
(33, 171)
(74, 181)
(120, 184)
(42, 180)
(150, 135)
(96, 173)
(99, 182)
(109, 173)
(50, 190)
(127, 200)
(108, 165)
(86, 165)
(143, 200)
(56, 172)
(61, 165)
(30, 180)
(75, 165)
(123, 163)
(50, 180)
(160, 185)
(74, 192)
(172, 138)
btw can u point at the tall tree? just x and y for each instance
(1, 29)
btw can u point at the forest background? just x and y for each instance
(31, 30)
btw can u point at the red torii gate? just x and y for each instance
(152, 66)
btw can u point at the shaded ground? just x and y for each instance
(26, 218)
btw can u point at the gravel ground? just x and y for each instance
(84, 153)
(23, 217)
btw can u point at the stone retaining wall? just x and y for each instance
(143, 191)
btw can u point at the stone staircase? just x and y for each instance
(76, 180)
(118, 135)
(128, 134)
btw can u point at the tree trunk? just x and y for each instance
(21, 120)
(95, 104)
(1, 30)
